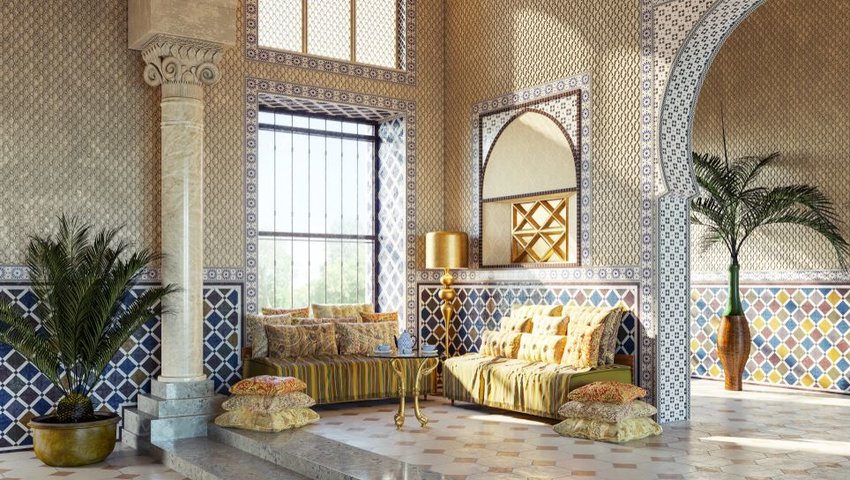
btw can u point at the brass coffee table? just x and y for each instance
(425, 365)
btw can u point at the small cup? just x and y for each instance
(383, 348)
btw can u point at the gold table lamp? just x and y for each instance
(446, 250)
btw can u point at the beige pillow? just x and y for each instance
(500, 344)
(268, 403)
(267, 385)
(607, 392)
(606, 412)
(625, 431)
(608, 342)
(267, 422)
(298, 341)
(363, 338)
(256, 332)
(584, 336)
(316, 321)
(295, 312)
(528, 311)
(340, 310)
(515, 324)
(379, 317)
(541, 348)
(549, 325)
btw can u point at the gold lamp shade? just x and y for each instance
(445, 250)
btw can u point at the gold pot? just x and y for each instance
(73, 444)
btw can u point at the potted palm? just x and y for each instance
(81, 279)
(732, 205)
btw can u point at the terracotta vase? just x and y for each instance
(733, 340)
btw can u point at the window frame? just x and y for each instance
(376, 142)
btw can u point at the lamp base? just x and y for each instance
(447, 295)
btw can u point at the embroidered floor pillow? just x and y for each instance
(267, 385)
(267, 422)
(268, 403)
(607, 392)
(625, 431)
(606, 412)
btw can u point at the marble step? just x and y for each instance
(317, 457)
(142, 424)
(204, 459)
(178, 407)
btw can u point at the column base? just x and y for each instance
(173, 410)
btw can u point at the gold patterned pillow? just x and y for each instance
(341, 310)
(379, 317)
(298, 341)
(625, 431)
(268, 403)
(267, 422)
(256, 332)
(515, 324)
(607, 392)
(363, 338)
(528, 311)
(267, 385)
(295, 312)
(316, 321)
(500, 344)
(549, 325)
(608, 342)
(584, 336)
(541, 348)
(606, 412)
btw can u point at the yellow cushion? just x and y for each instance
(528, 311)
(316, 321)
(541, 348)
(340, 310)
(295, 312)
(549, 325)
(267, 422)
(256, 332)
(379, 317)
(363, 338)
(515, 324)
(268, 403)
(267, 385)
(623, 431)
(608, 392)
(584, 335)
(301, 340)
(500, 344)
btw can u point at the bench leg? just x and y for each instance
(453, 402)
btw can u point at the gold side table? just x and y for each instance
(425, 364)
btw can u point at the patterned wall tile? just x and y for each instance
(25, 393)
(801, 334)
(481, 307)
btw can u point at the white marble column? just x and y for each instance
(182, 69)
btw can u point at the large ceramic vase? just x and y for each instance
(73, 444)
(733, 340)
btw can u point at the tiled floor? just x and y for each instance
(761, 433)
(124, 463)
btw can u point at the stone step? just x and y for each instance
(204, 459)
(177, 390)
(314, 456)
(179, 407)
(136, 422)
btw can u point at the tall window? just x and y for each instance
(316, 210)
(360, 31)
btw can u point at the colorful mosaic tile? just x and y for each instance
(25, 393)
(801, 335)
(481, 307)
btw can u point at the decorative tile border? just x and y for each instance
(18, 273)
(396, 291)
(481, 307)
(407, 44)
(25, 393)
(801, 334)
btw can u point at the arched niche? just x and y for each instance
(529, 194)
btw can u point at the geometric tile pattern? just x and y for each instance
(26, 393)
(482, 307)
(762, 433)
(124, 463)
(801, 335)
(406, 15)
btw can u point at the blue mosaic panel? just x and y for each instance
(801, 335)
(481, 307)
(26, 393)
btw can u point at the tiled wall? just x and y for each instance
(481, 307)
(25, 393)
(801, 334)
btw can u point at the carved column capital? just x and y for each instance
(183, 67)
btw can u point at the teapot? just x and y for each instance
(405, 342)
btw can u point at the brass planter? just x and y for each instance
(73, 444)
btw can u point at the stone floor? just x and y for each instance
(124, 463)
(761, 433)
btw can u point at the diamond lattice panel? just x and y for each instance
(279, 24)
(376, 37)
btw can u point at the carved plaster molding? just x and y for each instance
(182, 66)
